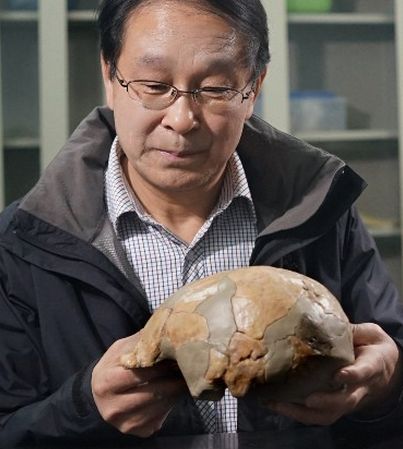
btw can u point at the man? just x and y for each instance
(172, 186)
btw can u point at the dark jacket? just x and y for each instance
(65, 296)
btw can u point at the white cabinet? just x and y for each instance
(356, 52)
(50, 79)
(19, 124)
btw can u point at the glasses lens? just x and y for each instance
(219, 98)
(218, 94)
(156, 96)
(151, 94)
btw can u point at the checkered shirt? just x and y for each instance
(163, 262)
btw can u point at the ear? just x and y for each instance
(256, 88)
(108, 83)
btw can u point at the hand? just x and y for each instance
(135, 401)
(370, 385)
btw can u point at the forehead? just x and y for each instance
(163, 32)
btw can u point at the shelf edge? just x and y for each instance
(341, 19)
(82, 16)
(348, 135)
(18, 16)
(17, 143)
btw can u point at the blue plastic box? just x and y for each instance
(317, 111)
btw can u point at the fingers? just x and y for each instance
(376, 356)
(305, 415)
(110, 376)
(371, 382)
(363, 369)
(344, 401)
(130, 378)
(322, 408)
(120, 380)
(367, 333)
(144, 408)
(143, 428)
(135, 401)
(125, 345)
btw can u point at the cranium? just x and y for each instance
(263, 329)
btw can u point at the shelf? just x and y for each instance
(380, 227)
(385, 234)
(341, 19)
(348, 135)
(18, 16)
(20, 143)
(84, 16)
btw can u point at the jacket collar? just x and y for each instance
(69, 194)
(290, 181)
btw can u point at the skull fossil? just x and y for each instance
(266, 330)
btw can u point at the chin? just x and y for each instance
(177, 184)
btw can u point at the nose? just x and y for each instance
(182, 115)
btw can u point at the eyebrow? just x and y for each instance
(151, 60)
(157, 62)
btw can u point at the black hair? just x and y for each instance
(247, 16)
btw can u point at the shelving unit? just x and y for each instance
(356, 51)
(19, 109)
(43, 102)
(18, 16)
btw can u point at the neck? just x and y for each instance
(182, 212)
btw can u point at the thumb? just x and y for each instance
(366, 334)
(367, 338)
(127, 347)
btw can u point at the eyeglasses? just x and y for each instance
(156, 96)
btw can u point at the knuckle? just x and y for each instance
(128, 428)
(374, 327)
(137, 428)
(98, 389)
(143, 433)
(117, 345)
(111, 414)
(100, 386)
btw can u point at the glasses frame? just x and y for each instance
(179, 92)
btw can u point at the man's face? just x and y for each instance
(184, 147)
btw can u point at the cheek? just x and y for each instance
(132, 126)
(227, 132)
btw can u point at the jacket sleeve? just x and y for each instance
(30, 412)
(368, 293)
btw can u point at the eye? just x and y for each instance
(218, 93)
(152, 87)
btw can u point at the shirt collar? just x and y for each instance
(120, 198)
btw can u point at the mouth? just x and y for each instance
(177, 154)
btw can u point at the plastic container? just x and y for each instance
(309, 6)
(317, 111)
